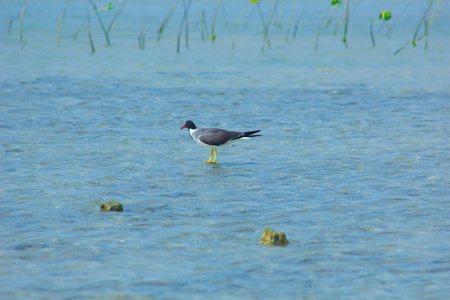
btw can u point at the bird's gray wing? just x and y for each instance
(217, 137)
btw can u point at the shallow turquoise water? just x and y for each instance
(353, 163)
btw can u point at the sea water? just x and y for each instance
(352, 165)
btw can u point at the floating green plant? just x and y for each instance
(272, 238)
(111, 206)
(385, 15)
(335, 2)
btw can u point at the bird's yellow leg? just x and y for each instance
(215, 156)
(209, 160)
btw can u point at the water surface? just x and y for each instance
(352, 164)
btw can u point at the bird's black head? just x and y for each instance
(189, 124)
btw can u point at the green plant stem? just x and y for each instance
(100, 21)
(263, 21)
(261, 14)
(88, 28)
(164, 22)
(371, 32)
(118, 12)
(186, 32)
(213, 22)
(267, 27)
(185, 15)
(316, 45)
(61, 21)
(434, 12)
(237, 24)
(23, 45)
(405, 45)
(336, 8)
(75, 36)
(294, 33)
(344, 39)
(289, 24)
(203, 24)
(22, 15)
(10, 23)
(420, 22)
(141, 37)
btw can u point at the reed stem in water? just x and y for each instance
(237, 24)
(88, 28)
(61, 21)
(316, 46)
(347, 4)
(267, 26)
(164, 22)
(141, 37)
(100, 21)
(118, 12)
(371, 32)
(420, 22)
(205, 33)
(213, 22)
(22, 15)
(185, 15)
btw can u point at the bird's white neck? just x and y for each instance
(192, 131)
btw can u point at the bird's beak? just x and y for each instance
(183, 127)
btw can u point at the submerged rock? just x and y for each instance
(272, 238)
(111, 206)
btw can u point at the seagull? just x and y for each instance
(215, 137)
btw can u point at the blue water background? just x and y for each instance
(353, 162)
